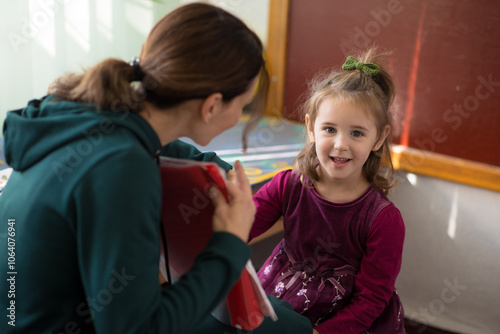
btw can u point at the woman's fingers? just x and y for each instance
(243, 182)
(231, 175)
(236, 216)
(217, 198)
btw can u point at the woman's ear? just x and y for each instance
(210, 106)
(382, 138)
(310, 131)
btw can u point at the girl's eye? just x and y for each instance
(330, 130)
(357, 134)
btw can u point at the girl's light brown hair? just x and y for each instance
(192, 52)
(373, 94)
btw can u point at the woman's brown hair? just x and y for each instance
(374, 94)
(192, 52)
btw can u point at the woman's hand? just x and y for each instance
(315, 331)
(237, 216)
(231, 174)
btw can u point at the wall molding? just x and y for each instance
(446, 167)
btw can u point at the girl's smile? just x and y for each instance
(339, 162)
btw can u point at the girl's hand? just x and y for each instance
(315, 331)
(237, 216)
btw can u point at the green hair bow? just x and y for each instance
(352, 63)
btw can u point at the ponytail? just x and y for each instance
(106, 85)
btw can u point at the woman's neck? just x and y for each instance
(169, 124)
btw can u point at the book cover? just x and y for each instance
(187, 213)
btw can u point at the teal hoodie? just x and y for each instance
(79, 222)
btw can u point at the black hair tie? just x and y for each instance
(138, 74)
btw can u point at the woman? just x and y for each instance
(84, 200)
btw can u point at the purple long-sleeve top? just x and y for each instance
(338, 262)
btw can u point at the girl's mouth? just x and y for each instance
(339, 161)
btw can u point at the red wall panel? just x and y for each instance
(446, 64)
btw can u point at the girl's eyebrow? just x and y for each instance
(357, 127)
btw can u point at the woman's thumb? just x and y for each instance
(215, 196)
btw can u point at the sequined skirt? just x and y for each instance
(313, 291)
(317, 292)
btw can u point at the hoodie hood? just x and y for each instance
(48, 124)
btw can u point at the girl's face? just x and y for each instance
(344, 135)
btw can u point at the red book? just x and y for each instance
(187, 218)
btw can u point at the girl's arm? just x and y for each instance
(269, 203)
(374, 284)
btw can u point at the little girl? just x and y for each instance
(343, 238)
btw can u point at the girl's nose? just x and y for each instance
(341, 143)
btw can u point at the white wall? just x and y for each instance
(43, 39)
(451, 259)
